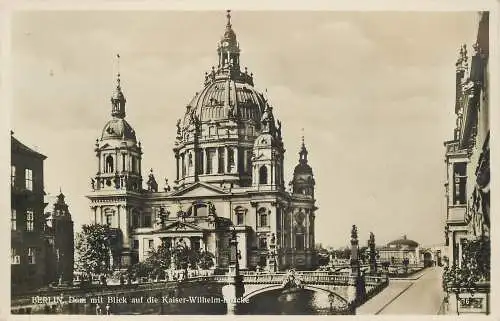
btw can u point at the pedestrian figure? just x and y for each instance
(108, 309)
(98, 309)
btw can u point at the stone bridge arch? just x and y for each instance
(252, 291)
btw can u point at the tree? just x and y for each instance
(159, 260)
(206, 260)
(93, 250)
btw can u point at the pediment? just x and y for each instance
(199, 190)
(181, 227)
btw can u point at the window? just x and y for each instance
(31, 255)
(109, 219)
(211, 161)
(263, 217)
(135, 167)
(230, 159)
(459, 180)
(28, 174)
(263, 175)
(109, 164)
(123, 162)
(221, 160)
(13, 217)
(239, 218)
(199, 162)
(183, 166)
(13, 175)
(135, 245)
(201, 210)
(196, 244)
(30, 220)
(135, 220)
(263, 243)
(299, 241)
(147, 220)
(249, 161)
(14, 257)
(150, 244)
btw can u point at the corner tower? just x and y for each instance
(117, 184)
(268, 152)
(303, 179)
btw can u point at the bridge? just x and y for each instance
(341, 288)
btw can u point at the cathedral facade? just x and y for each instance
(229, 157)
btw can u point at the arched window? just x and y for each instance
(240, 215)
(200, 210)
(263, 175)
(109, 164)
(108, 215)
(239, 218)
(190, 160)
(263, 217)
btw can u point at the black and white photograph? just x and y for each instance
(250, 162)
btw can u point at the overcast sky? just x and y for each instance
(374, 93)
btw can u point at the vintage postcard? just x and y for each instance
(250, 162)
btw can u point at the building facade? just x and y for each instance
(467, 155)
(467, 276)
(28, 252)
(229, 157)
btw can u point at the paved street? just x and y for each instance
(415, 295)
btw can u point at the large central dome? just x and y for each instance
(216, 135)
(228, 92)
(224, 98)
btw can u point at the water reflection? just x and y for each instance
(299, 301)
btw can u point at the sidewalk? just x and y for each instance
(384, 298)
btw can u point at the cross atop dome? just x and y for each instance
(228, 16)
(303, 150)
(118, 98)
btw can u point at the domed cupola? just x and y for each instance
(118, 151)
(303, 179)
(216, 134)
(118, 127)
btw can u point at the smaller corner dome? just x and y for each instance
(264, 141)
(303, 168)
(118, 128)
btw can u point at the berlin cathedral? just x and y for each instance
(229, 155)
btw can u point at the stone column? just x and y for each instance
(99, 162)
(116, 161)
(94, 209)
(177, 166)
(226, 158)
(103, 162)
(140, 164)
(100, 215)
(204, 151)
(236, 161)
(124, 223)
